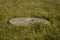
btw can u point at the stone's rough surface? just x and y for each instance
(25, 21)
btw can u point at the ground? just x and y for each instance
(48, 9)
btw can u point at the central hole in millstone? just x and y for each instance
(32, 20)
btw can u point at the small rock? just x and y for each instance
(27, 21)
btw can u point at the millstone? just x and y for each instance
(25, 21)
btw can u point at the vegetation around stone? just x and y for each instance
(47, 9)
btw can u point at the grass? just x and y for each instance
(48, 9)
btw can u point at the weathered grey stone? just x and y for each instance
(27, 21)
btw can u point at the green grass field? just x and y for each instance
(48, 9)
